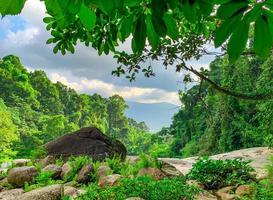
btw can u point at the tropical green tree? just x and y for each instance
(8, 132)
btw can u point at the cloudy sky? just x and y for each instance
(85, 71)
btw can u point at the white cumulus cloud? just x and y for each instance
(21, 37)
(137, 94)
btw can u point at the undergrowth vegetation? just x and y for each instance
(144, 187)
(214, 174)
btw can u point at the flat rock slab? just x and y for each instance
(259, 156)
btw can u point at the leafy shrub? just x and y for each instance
(214, 174)
(115, 164)
(144, 187)
(3, 175)
(146, 161)
(38, 153)
(59, 162)
(76, 163)
(41, 180)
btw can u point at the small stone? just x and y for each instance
(226, 193)
(195, 183)
(153, 172)
(20, 162)
(205, 196)
(65, 170)
(11, 194)
(71, 191)
(52, 192)
(170, 170)
(110, 180)
(56, 171)
(47, 161)
(20, 175)
(244, 190)
(228, 190)
(103, 171)
(84, 174)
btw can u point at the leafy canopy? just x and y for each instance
(105, 25)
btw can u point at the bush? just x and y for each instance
(214, 174)
(144, 187)
(115, 164)
(146, 161)
(76, 163)
(41, 180)
(3, 175)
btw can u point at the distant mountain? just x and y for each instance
(155, 115)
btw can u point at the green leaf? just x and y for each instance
(108, 6)
(254, 13)
(229, 9)
(172, 29)
(189, 10)
(159, 26)
(225, 30)
(105, 7)
(132, 3)
(206, 7)
(11, 7)
(126, 27)
(238, 41)
(70, 7)
(263, 36)
(87, 17)
(139, 38)
(152, 36)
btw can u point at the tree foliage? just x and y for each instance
(35, 110)
(211, 122)
(105, 24)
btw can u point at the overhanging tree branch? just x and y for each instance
(239, 95)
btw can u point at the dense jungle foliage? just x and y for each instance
(211, 122)
(34, 111)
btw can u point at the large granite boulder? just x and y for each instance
(86, 141)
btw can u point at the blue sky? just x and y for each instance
(85, 71)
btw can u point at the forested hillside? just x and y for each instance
(34, 111)
(211, 122)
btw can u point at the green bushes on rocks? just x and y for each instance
(144, 187)
(215, 174)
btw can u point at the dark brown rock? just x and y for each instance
(86, 141)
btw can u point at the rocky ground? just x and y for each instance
(259, 157)
(22, 172)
